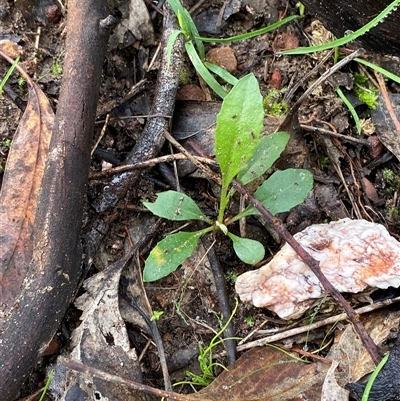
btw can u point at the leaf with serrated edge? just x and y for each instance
(248, 250)
(169, 253)
(175, 206)
(283, 191)
(238, 128)
(267, 152)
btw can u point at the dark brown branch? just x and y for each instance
(55, 268)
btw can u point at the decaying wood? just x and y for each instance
(29, 323)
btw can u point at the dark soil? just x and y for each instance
(188, 298)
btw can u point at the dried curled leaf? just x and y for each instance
(19, 192)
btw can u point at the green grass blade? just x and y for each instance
(375, 67)
(348, 38)
(251, 34)
(181, 16)
(8, 74)
(203, 71)
(194, 35)
(221, 72)
(170, 44)
(351, 109)
(371, 380)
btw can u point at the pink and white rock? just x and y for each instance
(353, 255)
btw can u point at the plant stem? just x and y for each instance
(313, 264)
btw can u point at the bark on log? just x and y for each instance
(54, 271)
(342, 15)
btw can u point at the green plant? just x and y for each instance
(366, 92)
(243, 153)
(371, 380)
(249, 320)
(205, 357)
(48, 381)
(350, 35)
(8, 74)
(7, 142)
(195, 48)
(156, 315)
(56, 67)
(274, 104)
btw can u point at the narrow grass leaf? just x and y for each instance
(351, 109)
(179, 11)
(170, 44)
(267, 152)
(176, 206)
(194, 35)
(248, 250)
(169, 253)
(375, 67)
(252, 34)
(348, 38)
(203, 71)
(225, 75)
(283, 191)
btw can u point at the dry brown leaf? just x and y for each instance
(266, 373)
(19, 193)
(385, 126)
(101, 341)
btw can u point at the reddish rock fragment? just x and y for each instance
(224, 57)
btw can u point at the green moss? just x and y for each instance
(274, 104)
(365, 91)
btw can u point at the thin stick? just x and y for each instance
(88, 370)
(298, 330)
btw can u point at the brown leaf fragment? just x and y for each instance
(370, 190)
(266, 373)
(19, 193)
(101, 341)
(385, 127)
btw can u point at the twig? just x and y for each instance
(79, 367)
(298, 330)
(147, 163)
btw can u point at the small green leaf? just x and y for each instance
(169, 253)
(170, 44)
(176, 206)
(267, 152)
(283, 191)
(239, 124)
(248, 250)
(221, 72)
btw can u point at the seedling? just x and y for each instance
(366, 92)
(205, 357)
(241, 153)
(156, 315)
(56, 67)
